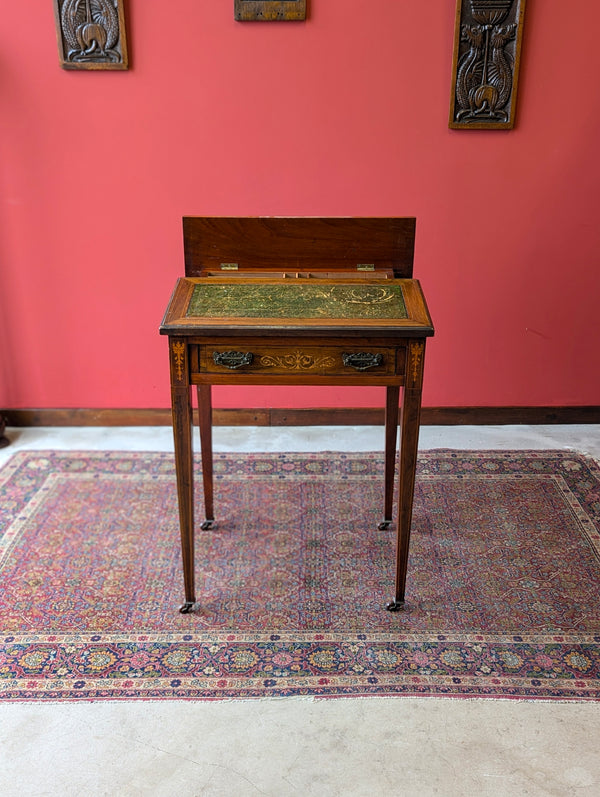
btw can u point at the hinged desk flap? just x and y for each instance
(271, 244)
(199, 305)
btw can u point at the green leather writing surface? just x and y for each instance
(294, 300)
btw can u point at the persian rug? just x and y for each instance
(503, 593)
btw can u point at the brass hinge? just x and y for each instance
(365, 266)
(229, 266)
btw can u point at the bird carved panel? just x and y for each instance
(485, 66)
(91, 34)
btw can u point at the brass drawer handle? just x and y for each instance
(232, 359)
(362, 360)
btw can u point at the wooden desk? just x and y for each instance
(294, 301)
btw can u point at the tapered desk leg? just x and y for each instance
(182, 436)
(409, 442)
(205, 424)
(391, 433)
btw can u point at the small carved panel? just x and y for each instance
(485, 67)
(91, 34)
(269, 10)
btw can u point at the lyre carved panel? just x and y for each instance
(91, 34)
(485, 67)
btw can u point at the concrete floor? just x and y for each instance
(279, 747)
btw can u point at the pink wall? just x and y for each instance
(345, 114)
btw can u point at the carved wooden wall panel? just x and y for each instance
(91, 34)
(269, 10)
(485, 66)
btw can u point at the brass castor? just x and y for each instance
(394, 606)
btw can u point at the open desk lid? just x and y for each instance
(298, 244)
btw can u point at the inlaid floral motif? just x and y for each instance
(179, 358)
(296, 361)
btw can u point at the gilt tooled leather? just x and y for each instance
(210, 300)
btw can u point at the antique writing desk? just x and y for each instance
(297, 301)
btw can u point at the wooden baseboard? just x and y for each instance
(336, 416)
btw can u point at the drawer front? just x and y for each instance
(297, 360)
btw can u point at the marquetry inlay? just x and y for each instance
(179, 358)
(297, 361)
(416, 359)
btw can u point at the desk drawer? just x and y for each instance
(296, 360)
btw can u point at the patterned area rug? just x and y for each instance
(503, 594)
